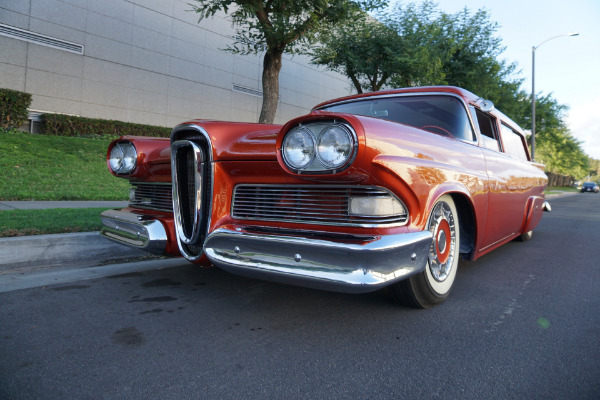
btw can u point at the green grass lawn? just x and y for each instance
(39, 167)
(56, 220)
(554, 189)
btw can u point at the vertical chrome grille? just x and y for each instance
(191, 175)
(186, 188)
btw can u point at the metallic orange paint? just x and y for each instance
(503, 195)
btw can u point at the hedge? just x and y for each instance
(68, 125)
(13, 108)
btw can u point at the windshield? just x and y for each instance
(444, 115)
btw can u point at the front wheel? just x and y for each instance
(433, 285)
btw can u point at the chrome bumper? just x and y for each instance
(134, 230)
(356, 267)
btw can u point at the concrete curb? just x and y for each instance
(88, 248)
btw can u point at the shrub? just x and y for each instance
(68, 125)
(13, 108)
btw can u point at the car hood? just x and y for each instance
(233, 141)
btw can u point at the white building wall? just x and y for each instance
(146, 61)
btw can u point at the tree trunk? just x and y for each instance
(270, 83)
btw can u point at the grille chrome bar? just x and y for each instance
(187, 160)
(192, 177)
(308, 204)
(154, 196)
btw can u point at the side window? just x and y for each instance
(513, 143)
(487, 128)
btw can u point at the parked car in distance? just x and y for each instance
(590, 187)
(386, 189)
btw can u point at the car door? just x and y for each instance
(507, 184)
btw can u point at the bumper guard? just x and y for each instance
(134, 230)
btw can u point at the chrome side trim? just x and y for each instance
(134, 230)
(342, 266)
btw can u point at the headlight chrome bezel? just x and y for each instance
(122, 159)
(308, 151)
(320, 158)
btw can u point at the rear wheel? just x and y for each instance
(433, 285)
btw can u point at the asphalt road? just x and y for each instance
(523, 322)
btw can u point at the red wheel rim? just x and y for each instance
(442, 241)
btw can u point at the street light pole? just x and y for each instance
(533, 89)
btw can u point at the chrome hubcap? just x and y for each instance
(441, 254)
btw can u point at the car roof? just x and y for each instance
(468, 96)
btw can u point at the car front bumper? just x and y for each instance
(135, 230)
(355, 265)
(349, 264)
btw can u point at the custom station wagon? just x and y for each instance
(386, 189)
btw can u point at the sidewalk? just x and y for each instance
(40, 251)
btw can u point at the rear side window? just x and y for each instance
(513, 143)
(487, 128)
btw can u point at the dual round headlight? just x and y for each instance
(318, 147)
(123, 158)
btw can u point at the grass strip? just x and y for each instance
(39, 167)
(55, 220)
(558, 189)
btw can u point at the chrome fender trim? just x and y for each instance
(356, 267)
(134, 230)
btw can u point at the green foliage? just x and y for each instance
(460, 49)
(594, 170)
(561, 153)
(57, 220)
(265, 25)
(13, 108)
(416, 45)
(366, 51)
(555, 146)
(68, 125)
(39, 167)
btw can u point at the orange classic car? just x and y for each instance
(385, 189)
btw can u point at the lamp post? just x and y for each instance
(533, 88)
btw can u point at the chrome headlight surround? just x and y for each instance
(122, 159)
(319, 147)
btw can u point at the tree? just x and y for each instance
(463, 50)
(376, 53)
(366, 51)
(278, 26)
(415, 45)
(555, 146)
